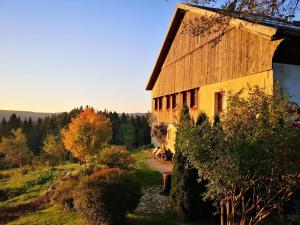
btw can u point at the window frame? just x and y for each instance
(160, 103)
(194, 98)
(219, 102)
(168, 102)
(184, 98)
(155, 104)
(174, 100)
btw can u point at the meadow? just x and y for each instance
(23, 200)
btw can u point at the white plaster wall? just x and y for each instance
(289, 79)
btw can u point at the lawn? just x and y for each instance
(19, 190)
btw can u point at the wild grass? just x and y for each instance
(50, 216)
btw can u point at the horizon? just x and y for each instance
(97, 110)
(57, 55)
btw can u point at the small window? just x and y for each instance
(219, 102)
(168, 105)
(193, 98)
(184, 102)
(174, 101)
(160, 103)
(155, 104)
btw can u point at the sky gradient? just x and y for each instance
(59, 54)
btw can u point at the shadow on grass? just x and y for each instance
(152, 219)
(147, 176)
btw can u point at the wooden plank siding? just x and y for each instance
(193, 62)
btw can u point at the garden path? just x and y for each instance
(158, 166)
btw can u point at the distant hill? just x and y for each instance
(23, 114)
(35, 115)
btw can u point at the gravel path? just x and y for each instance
(153, 200)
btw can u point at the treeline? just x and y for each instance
(129, 130)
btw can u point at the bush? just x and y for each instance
(64, 191)
(186, 193)
(116, 156)
(14, 150)
(250, 157)
(106, 196)
(53, 150)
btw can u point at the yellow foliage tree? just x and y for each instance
(87, 134)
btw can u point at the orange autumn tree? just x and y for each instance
(87, 134)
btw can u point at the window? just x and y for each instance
(174, 101)
(193, 98)
(160, 103)
(219, 102)
(184, 102)
(155, 104)
(168, 105)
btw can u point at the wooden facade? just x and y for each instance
(189, 64)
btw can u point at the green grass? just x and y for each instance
(25, 188)
(21, 189)
(17, 189)
(145, 174)
(49, 216)
(152, 219)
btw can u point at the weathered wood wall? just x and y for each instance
(194, 62)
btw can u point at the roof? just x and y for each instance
(270, 28)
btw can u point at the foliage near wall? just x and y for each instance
(186, 193)
(250, 158)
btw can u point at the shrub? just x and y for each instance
(185, 197)
(14, 150)
(88, 169)
(250, 157)
(116, 156)
(64, 191)
(54, 150)
(106, 196)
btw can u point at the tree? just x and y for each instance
(3, 128)
(54, 148)
(15, 149)
(250, 158)
(126, 135)
(87, 134)
(255, 11)
(185, 197)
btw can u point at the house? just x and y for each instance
(194, 71)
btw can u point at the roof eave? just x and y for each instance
(176, 20)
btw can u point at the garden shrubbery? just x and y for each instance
(116, 156)
(249, 158)
(106, 196)
(186, 192)
(64, 192)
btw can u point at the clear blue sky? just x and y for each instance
(59, 54)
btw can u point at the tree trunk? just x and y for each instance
(222, 212)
